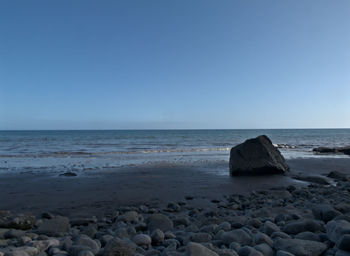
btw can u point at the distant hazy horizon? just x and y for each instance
(106, 65)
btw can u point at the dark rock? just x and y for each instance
(159, 221)
(265, 249)
(249, 251)
(68, 174)
(337, 176)
(301, 225)
(256, 157)
(344, 242)
(200, 237)
(237, 235)
(327, 150)
(118, 247)
(336, 229)
(325, 212)
(55, 226)
(195, 249)
(300, 247)
(157, 236)
(23, 222)
(270, 227)
(307, 235)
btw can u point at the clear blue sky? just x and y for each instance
(174, 64)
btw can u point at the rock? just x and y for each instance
(142, 240)
(68, 174)
(85, 253)
(157, 236)
(237, 235)
(55, 226)
(344, 242)
(84, 240)
(260, 238)
(265, 249)
(308, 236)
(325, 150)
(301, 225)
(195, 249)
(328, 150)
(14, 233)
(248, 251)
(283, 253)
(118, 247)
(336, 229)
(337, 176)
(300, 247)
(200, 237)
(256, 157)
(342, 253)
(22, 222)
(270, 227)
(159, 221)
(325, 212)
(131, 217)
(313, 179)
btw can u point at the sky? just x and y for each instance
(184, 64)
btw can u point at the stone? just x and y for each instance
(159, 221)
(85, 253)
(270, 227)
(22, 222)
(300, 247)
(130, 217)
(84, 240)
(200, 237)
(283, 253)
(256, 157)
(249, 251)
(196, 249)
(54, 227)
(336, 229)
(265, 249)
(337, 176)
(307, 235)
(325, 212)
(344, 242)
(142, 240)
(157, 236)
(260, 238)
(328, 150)
(119, 247)
(301, 225)
(237, 235)
(68, 174)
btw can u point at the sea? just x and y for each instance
(85, 151)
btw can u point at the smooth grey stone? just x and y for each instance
(55, 226)
(159, 221)
(300, 247)
(196, 249)
(302, 225)
(270, 227)
(118, 246)
(336, 229)
(237, 235)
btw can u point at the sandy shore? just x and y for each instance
(96, 193)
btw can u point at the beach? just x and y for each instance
(98, 193)
(170, 200)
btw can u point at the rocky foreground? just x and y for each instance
(313, 220)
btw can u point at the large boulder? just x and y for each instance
(256, 156)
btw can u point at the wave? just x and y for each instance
(143, 151)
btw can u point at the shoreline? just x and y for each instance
(98, 193)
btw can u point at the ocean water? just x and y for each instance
(82, 151)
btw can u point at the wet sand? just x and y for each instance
(96, 193)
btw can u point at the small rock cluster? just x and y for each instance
(300, 221)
